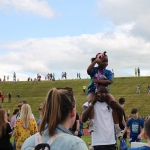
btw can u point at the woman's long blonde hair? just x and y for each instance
(3, 123)
(26, 115)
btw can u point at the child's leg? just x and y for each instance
(89, 97)
(117, 114)
(91, 124)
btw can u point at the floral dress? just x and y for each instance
(21, 133)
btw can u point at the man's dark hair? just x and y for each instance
(121, 100)
(134, 111)
(23, 101)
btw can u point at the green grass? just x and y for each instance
(36, 93)
(87, 139)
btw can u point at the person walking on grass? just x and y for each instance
(135, 124)
(138, 89)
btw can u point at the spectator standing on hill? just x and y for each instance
(147, 133)
(2, 97)
(138, 89)
(113, 73)
(53, 77)
(138, 70)
(135, 71)
(4, 78)
(14, 77)
(7, 78)
(9, 97)
(84, 89)
(18, 95)
(1, 94)
(135, 124)
(123, 123)
(148, 90)
(77, 75)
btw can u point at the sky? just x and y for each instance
(55, 36)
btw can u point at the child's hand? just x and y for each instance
(98, 60)
(95, 81)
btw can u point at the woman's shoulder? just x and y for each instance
(69, 142)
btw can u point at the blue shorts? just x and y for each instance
(134, 139)
(91, 90)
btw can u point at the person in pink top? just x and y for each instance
(13, 119)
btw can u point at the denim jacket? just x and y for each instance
(70, 142)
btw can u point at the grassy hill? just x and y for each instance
(36, 93)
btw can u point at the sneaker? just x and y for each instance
(91, 127)
(118, 132)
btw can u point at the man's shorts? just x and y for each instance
(135, 139)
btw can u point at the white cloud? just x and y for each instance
(122, 12)
(73, 54)
(39, 7)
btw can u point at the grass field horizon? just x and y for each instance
(36, 93)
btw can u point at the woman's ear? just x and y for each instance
(73, 112)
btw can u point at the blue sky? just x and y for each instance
(43, 36)
(72, 18)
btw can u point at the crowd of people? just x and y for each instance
(59, 126)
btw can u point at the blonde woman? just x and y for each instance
(25, 126)
(38, 120)
(5, 132)
(59, 114)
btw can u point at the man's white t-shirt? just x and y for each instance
(104, 125)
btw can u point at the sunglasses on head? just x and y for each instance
(66, 88)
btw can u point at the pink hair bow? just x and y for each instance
(100, 55)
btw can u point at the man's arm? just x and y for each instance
(124, 131)
(87, 110)
(123, 122)
(86, 113)
(77, 127)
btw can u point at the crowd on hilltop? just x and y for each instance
(59, 127)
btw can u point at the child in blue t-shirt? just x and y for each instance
(146, 131)
(100, 75)
(136, 125)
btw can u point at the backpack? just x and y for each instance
(123, 145)
(46, 146)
